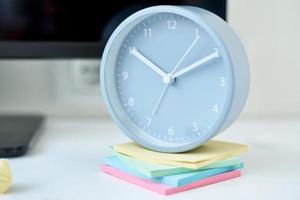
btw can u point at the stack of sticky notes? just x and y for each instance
(168, 173)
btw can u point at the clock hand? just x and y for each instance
(162, 94)
(199, 63)
(149, 63)
(168, 79)
(185, 54)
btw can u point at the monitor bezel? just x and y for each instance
(48, 49)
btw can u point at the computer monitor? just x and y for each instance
(62, 29)
(71, 29)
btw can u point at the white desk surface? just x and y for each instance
(64, 162)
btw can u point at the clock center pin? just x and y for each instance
(168, 79)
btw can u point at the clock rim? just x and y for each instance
(139, 16)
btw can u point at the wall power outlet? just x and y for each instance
(85, 75)
(78, 81)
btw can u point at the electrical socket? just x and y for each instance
(77, 81)
(85, 75)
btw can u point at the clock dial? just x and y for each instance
(171, 78)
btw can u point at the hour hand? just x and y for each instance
(211, 56)
(141, 57)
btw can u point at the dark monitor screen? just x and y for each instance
(71, 29)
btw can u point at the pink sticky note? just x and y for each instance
(164, 189)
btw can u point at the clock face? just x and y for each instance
(171, 79)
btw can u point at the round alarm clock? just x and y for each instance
(173, 77)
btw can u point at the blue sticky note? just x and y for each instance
(172, 180)
(189, 177)
(116, 163)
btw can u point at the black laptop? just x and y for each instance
(16, 133)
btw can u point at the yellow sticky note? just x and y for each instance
(5, 176)
(210, 152)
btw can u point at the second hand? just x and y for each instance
(171, 74)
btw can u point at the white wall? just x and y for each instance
(40, 86)
(269, 29)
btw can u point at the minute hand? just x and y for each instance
(197, 64)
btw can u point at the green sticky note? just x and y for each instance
(176, 180)
(156, 170)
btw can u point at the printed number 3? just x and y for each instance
(222, 81)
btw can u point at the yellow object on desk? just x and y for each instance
(5, 176)
(210, 152)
